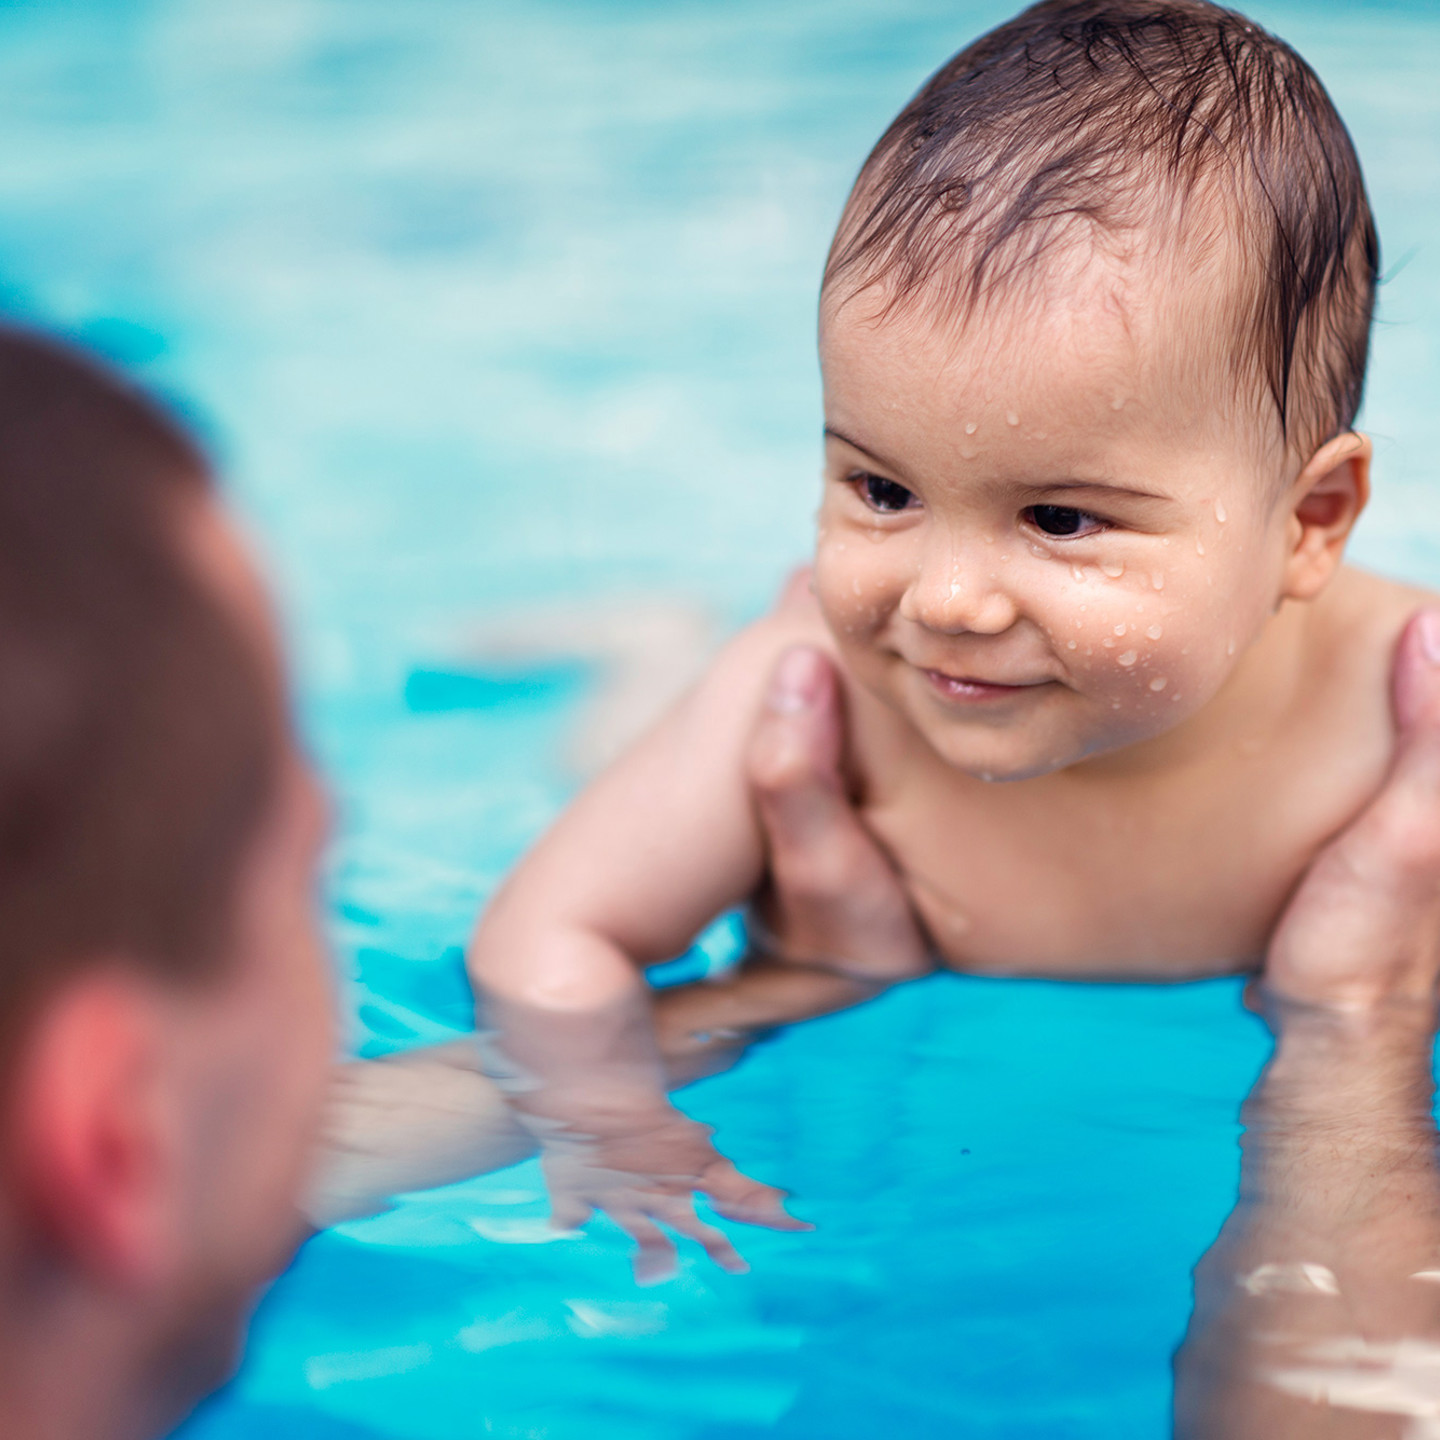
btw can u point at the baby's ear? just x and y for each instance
(1325, 502)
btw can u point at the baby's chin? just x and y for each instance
(1002, 754)
(996, 756)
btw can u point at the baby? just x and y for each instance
(1093, 333)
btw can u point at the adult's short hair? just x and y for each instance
(138, 743)
(1093, 121)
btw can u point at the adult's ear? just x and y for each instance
(93, 1131)
(1324, 503)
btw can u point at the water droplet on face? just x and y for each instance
(1011, 418)
(1220, 515)
(1107, 642)
(1230, 648)
(1158, 683)
(1070, 644)
(1113, 568)
(1127, 659)
(1121, 628)
(1199, 546)
(1154, 632)
(1157, 579)
(1078, 573)
(971, 428)
(966, 454)
(855, 586)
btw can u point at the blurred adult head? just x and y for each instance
(164, 1002)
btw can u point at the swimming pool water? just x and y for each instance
(489, 306)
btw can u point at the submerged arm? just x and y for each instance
(1317, 1312)
(431, 1117)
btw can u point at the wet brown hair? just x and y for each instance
(1094, 120)
(138, 743)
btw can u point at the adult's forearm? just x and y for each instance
(1311, 1290)
(704, 1028)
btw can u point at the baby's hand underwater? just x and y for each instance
(644, 1174)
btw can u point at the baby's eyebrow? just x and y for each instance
(1049, 487)
(832, 433)
(1100, 487)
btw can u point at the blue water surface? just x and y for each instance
(488, 305)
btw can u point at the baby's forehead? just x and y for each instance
(1156, 326)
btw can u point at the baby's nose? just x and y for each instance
(958, 591)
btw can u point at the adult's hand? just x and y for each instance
(834, 926)
(1364, 926)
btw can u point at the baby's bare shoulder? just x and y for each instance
(750, 655)
(1364, 613)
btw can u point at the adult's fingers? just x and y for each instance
(1364, 925)
(1416, 681)
(794, 754)
(835, 899)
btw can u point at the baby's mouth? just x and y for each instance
(974, 688)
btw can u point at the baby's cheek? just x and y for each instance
(856, 584)
(1123, 642)
(1142, 653)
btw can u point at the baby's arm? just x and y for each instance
(653, 850)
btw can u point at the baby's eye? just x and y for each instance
(884, 495)
(1063, 521)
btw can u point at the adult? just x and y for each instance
(165, 1005)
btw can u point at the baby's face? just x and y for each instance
(1042, 538)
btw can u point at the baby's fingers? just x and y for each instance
(738, 1197)
(569, 1212)
(656, 1258)
(679, 1214)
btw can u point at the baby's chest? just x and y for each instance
(1124, 890)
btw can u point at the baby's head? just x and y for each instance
(1093, 331)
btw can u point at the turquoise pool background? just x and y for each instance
(488, 305)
